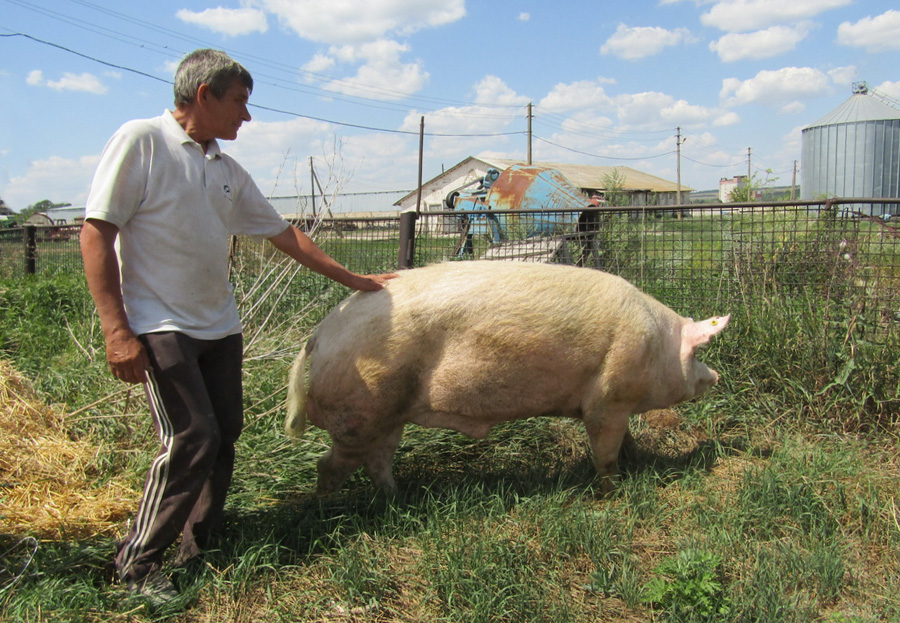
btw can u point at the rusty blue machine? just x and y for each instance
(522, 200)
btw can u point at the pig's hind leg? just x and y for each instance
(379, 460)
(334, 468)
(336, 465)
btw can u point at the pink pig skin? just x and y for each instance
(467, 345)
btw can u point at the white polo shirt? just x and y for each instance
(175, 208)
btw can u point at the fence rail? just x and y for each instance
(698, 259)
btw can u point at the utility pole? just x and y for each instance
(529, 133)
(749, 177)
(678, 143)
(794, 182)
(312, 187)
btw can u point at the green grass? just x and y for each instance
(774, 498)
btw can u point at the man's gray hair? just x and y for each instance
(212, 67)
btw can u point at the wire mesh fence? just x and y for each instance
(699, 260)
(704, 260)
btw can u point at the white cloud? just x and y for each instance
(88, 83)
(467, 121)
(891, 89)
(843, 76)
(361, 33)
(749, 15)
(171, 67)
(587, 121)
(760, 44)
(728, 119)
(269, 150)
(654, 109)
(341, 22)
(492, 91)
(319, 64)
(382, 74)
(793, 107)
(792, 143)
(464, 123)
(380, 161)
(782, 88)
(524, 17)
(231, 22)
(632, 43)
(59, 179)
(78, 82)
(875, 34)
(577, 96)
(633, 110)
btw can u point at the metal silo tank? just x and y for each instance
(854, 151)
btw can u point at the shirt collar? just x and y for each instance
(174, 128)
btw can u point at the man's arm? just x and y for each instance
(299, 246)
(125, 354)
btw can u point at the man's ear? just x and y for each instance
(202, 94)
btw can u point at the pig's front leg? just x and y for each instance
(606, 431)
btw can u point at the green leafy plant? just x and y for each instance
(687, 587)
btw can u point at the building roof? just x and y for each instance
(584, 176)
(860, 107)
(594, 176)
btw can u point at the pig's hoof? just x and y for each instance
(608, 484)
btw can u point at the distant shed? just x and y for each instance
(642, 189)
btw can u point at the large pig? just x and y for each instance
(467, 345)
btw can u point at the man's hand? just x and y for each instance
(124, 352)
(127, 358)
(299, 246)
(370, 283)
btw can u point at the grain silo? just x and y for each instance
(854, 151)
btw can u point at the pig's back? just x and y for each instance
(513, 302)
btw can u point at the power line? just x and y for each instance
(376, 93)
(87, 56)
(577, 127)
(388, 130)
(707, 164)
(584, 153)
(258, 106)
(469, 110)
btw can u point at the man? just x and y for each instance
(162, 206)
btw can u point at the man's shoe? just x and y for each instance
(156, 589)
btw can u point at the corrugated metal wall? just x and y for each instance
(859, 159)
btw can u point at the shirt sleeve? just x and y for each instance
(254, 216)
(120, 181)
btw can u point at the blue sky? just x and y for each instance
(346, 82)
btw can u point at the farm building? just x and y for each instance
(639, 189)
(854, 151)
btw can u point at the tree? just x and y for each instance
(41, 206)
(613, 185)
(747, 192)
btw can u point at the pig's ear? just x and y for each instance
(695, 334)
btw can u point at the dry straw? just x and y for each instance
(50, 483)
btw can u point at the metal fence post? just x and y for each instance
(407, 252)
(30, 249)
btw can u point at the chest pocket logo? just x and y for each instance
(227, 190)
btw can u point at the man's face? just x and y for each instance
(224, 116)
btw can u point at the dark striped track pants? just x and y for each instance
(196, 400)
